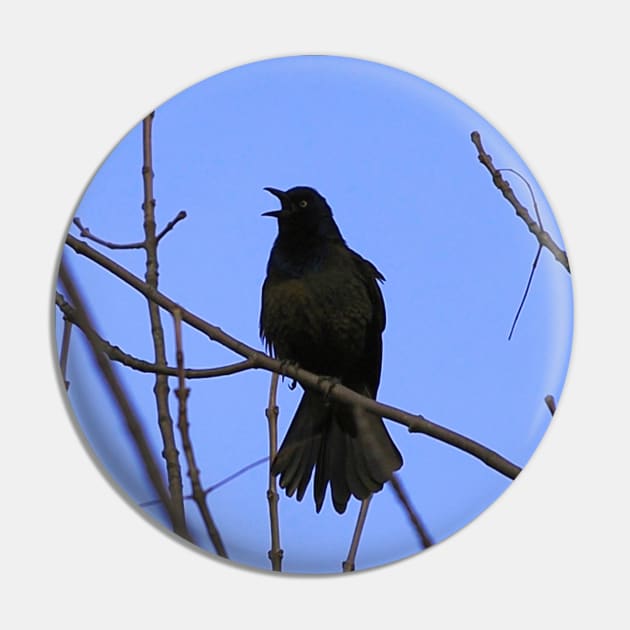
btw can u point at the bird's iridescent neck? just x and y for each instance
(293, 258)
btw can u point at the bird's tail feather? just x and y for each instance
(296, 457)
(349, 447)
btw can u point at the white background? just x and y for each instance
(553, 550)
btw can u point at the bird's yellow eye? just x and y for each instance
(303, 203)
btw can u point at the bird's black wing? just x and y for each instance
(374, 346)
(261, 322)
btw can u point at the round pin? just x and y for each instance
(346, 380)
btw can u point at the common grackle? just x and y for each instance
(323, 309)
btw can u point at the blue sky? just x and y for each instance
(392, 154)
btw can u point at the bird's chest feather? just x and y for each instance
(293, 310)
(316, 315)
(290, 299)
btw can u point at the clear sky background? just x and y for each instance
(392, 154)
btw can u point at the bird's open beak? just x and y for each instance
(280, 194)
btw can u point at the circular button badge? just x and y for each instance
(349, 378)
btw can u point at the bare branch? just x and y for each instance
(415, 423)
(218, 484)
(543, 238)
(118, 355)
(531, 192)
(526, 292)
(121, 398)
(236, 474)
(421, 530)
(536, 257)
(65, 348)
(183, 425)
(85, 233)
(275, 553)
(348, 564)
(161, 388)
(181, 215)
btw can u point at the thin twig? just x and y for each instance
(543, 237)
(415, 423)
(132, 422)
(236, 474)
(84, 232)
(65, 348)
(421, 530)
(551, 404)
(218, 484)
(161, 388)
(181, 215)
(525, 293)
(275, 553)
(118, 355)
(348, 564)
(531, 192)
(182, 392)
(536, 257)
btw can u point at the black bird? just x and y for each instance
(323, 309)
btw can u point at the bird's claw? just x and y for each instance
(331, 381)
(284, 364)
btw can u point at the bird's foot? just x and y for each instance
(329, 382)
(284, 364)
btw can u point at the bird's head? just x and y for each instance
(298, 203)
(303, 210)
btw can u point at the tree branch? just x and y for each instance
(132, 422)
(218, 484)
(84, 232)
(526, 292)
(348, 564)
(415, 423)
(182, 392)
(116, 354)
(181, 215)
(65, 348)
(161, 388)
(421, 530)
(275, 553)
(543, 237)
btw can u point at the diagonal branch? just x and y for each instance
(415, 423)
(526, 292)
(543, 237)
(220, 483)
(183, 425)
(130, 416)
(418, 525)
(181, 215)
(236, 474)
